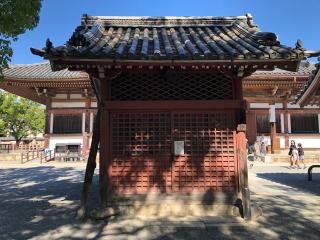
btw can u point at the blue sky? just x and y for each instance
(289, 19)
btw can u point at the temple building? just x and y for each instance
(170, 99)
(71, 104)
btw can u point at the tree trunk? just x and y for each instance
(91, 165)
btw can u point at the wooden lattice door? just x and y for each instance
(209, 160)
(143, 157)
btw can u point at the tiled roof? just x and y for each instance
(42, 71)
(308, 94)
(39, 71)
(182, 38)
(305, 68)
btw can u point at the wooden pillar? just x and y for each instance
(243, 171)
(105, 139)
(51, 123)
(273, 138)
(91, 122)
(242, 147)
(319, 122)
(286, 130)
(289, 123)
(251, 132)
(282, 122)
(83, 123)
(275, 146)
(104, 158)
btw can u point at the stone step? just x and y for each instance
(173, 205)
(285, 158)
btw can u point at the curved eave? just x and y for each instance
(80, 82)
(82, 64)
(312, 89)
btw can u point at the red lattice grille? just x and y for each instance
(171, 86)
(143, 159)
(204, 133)
(138, 134)
(202, 173)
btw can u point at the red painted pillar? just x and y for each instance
(243, 171)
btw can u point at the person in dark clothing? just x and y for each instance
(301, 155)
(293, 153)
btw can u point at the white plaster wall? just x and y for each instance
(307, 142)
(76, 96)
(265, 105)
(282, 142)
(312, 106)
(259, 105)
(61, 96)
(265, 139)
(68, 104)
(293, 105)
(74, 139)
(94, 104)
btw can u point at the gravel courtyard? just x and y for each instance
(39, 202)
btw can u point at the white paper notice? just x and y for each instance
(178, 148)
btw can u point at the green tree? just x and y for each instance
(20, 117)
(16, 16)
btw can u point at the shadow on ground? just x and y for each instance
(295, 180)
(40, 203)
(37, 200)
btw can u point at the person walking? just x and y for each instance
(301, 155)
(263, 149)
(256, 150)
(294, 155)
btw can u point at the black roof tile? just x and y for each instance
(184, 38)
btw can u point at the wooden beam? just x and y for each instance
(173, 105)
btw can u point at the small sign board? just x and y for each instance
(178, 148)
(272, 113)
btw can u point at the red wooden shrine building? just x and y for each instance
(169, 91)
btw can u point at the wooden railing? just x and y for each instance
(29, 156)
(47, 156)
(40, 154)
(29, 147)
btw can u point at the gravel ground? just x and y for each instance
(39, 202)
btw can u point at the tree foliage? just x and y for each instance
(16, 16)
(20, 117)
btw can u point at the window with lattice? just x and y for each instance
(263, 123)
(304, 123)
(171, 85)
(67, 123)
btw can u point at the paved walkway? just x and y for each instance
(39, 202)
